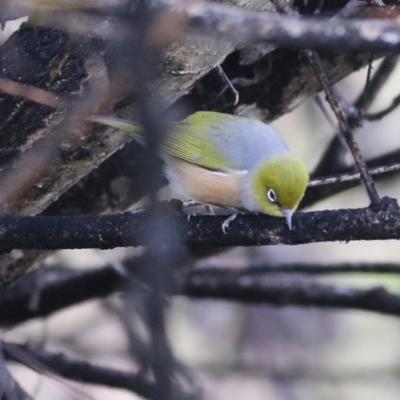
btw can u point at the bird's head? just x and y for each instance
(277, 185)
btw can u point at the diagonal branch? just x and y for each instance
(344, 127)
(333, 158)
(78, 370)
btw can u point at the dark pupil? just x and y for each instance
(271, 195)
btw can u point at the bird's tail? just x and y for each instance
(118, 123)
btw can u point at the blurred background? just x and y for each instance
(254, 352)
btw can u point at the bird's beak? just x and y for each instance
(288, 216)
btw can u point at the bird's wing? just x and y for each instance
(193, 140)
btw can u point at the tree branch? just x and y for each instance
(245, 27)
(285, 292)
(77, 370)
(61, 288)
(318, 193)
(126, 229)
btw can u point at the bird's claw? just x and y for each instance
(209, 209)
(226, 223)
(193, 214)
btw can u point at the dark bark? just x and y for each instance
(130, 229)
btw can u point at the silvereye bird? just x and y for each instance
(230, 161)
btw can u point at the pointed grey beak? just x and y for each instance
(288, 216)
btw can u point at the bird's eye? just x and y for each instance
(271, 196)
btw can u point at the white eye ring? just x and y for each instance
(271, 196)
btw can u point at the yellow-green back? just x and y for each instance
(223, 142)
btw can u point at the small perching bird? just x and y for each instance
(230, 161)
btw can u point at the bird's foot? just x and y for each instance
(191, 203)
(226, 223)
(195, 203)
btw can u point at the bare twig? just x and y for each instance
(308, 269)
(31, 93)
(57, 364)
(326, 180)
(229, 83)
(344, 127)
(380, 114)
(333, 158)
(374, 86)
(9, 388)
(318, 193)
(363, 97)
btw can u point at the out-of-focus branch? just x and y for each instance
(296, 268)
(283, 30)
(59, 364)
(61, 288)
(284, 292)
(9, 387)
(78, 370)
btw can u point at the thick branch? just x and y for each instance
(127, 229)
(245, 27)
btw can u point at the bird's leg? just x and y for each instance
(195, 203)
(209, 209)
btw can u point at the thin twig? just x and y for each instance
(318, 193)
(344, 127)
(333, 158)
(375, 85)
(32, 93)
(229, 83)
(321, 106)
(326, 180)
(364, 94)
(380, 114)
(21, 355)
(60, 365)
(307, 269)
